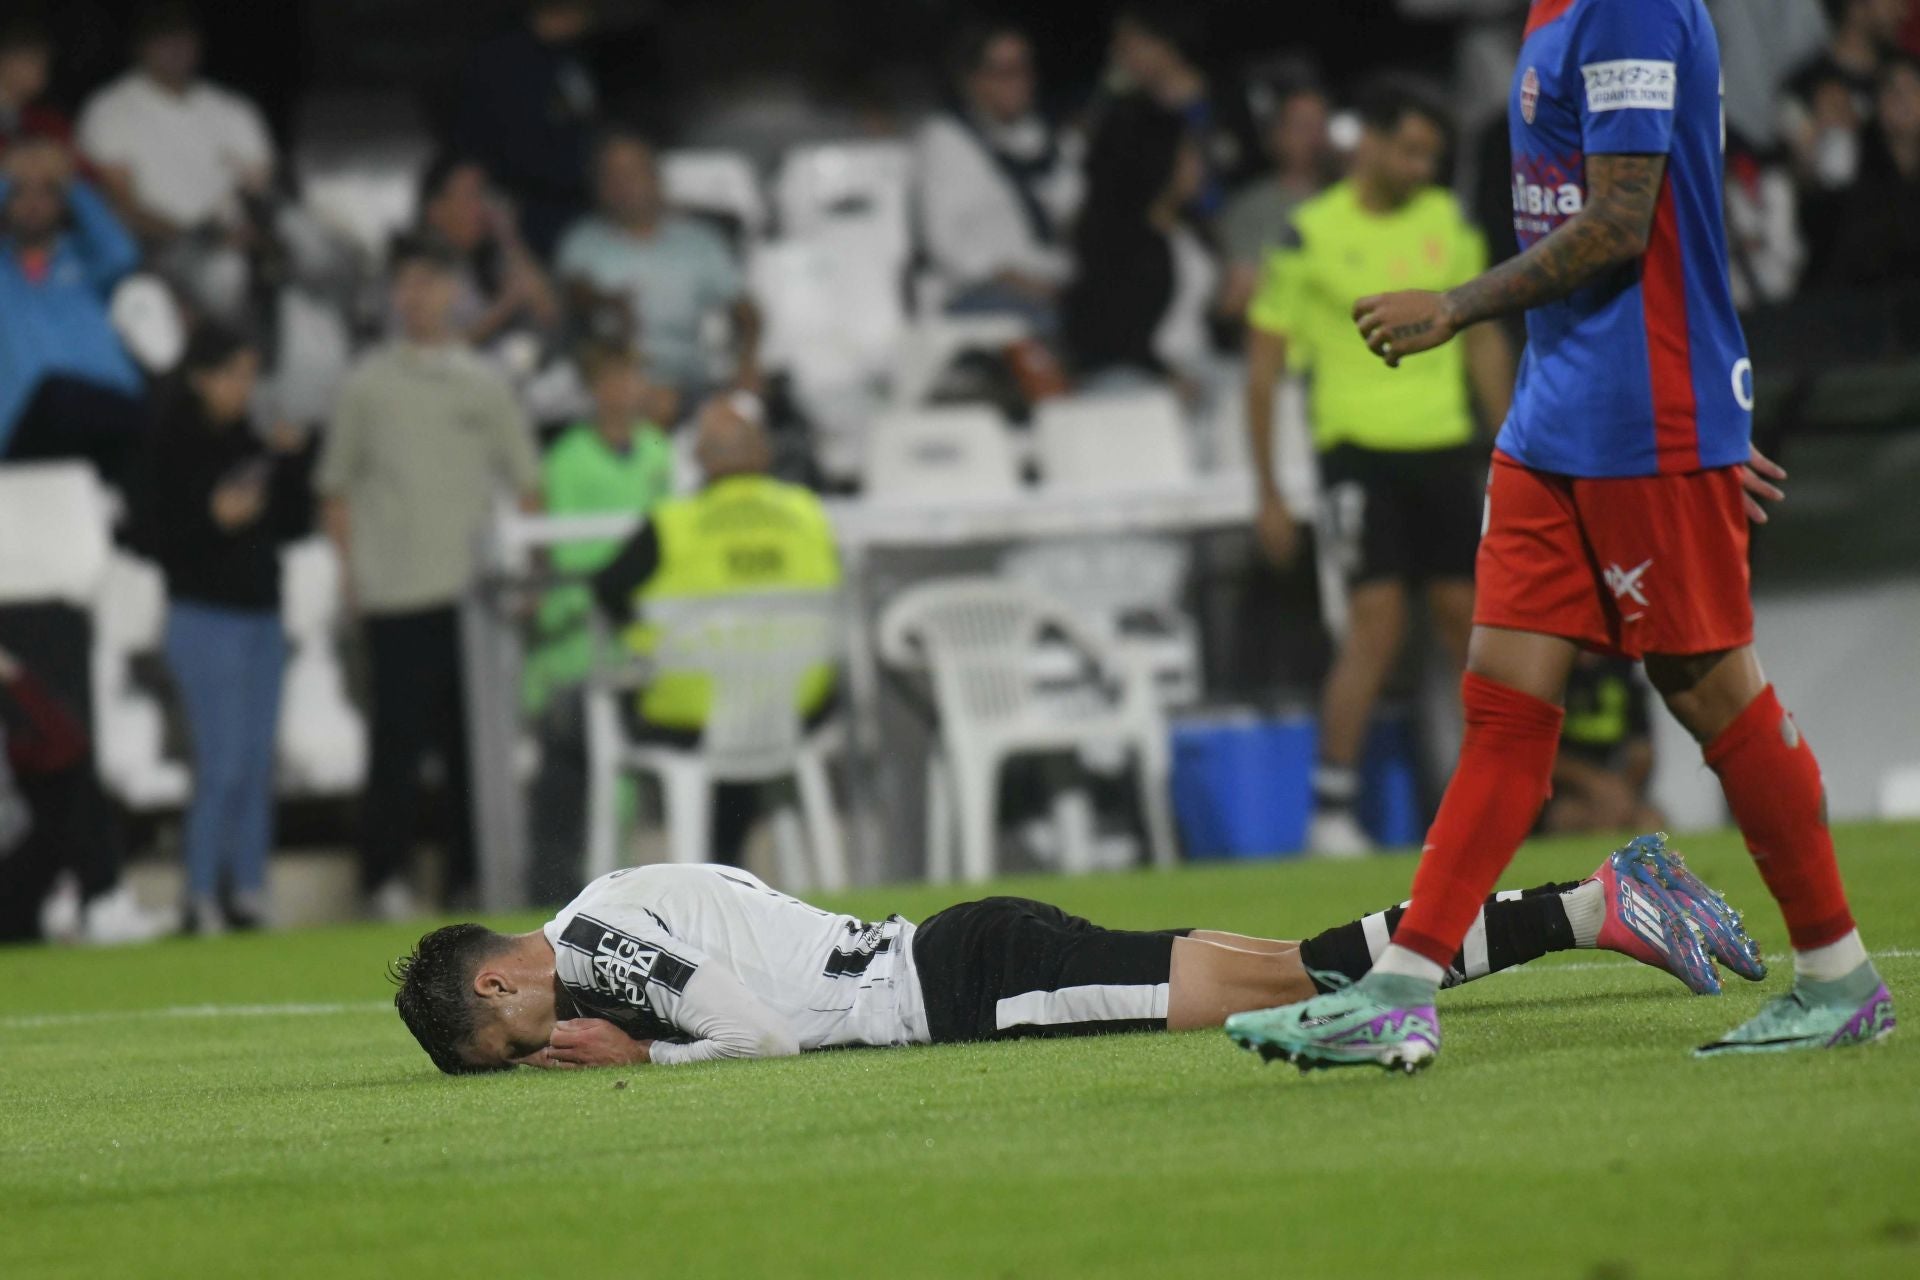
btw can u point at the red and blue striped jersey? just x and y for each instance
(1643, 371)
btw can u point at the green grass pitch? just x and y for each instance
(249, 1107)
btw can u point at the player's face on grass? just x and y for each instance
(517, 1018)
(1405, 158)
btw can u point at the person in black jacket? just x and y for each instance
(221, 501)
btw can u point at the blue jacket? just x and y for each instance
(59, 325)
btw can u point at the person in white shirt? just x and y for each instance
(181, 157)
(996, 186)
(682, 963)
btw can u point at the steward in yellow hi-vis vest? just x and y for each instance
(744, 533)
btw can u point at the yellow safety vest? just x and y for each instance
(742, 534)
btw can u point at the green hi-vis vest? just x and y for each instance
(742, 534)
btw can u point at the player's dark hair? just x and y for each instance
(436, 998)
(1383, 102)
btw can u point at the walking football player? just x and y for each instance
(1616, 520)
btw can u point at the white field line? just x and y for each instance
(32, 1021)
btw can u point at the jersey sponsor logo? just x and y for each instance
(1625, 583)
(854, 954)
(622, 965)
(1529, 95)
(1547, 190)
(1629, 84)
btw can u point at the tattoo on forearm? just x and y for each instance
(1612, 228)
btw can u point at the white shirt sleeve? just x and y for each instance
(725, 1020)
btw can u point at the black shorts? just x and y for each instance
(1414, 516)
(1005, 968)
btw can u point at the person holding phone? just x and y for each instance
(221, 500)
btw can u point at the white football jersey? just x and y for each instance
(710, 961)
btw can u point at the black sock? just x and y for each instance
(1512, 928)
(1335, 788)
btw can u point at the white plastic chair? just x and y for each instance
(977, 638)
(1129, 590)
(960, 452)
(1113, 443)
(756, 650)
(54, 523)
(322, 740)
(129, 620)
(716, 180)
(841, 182)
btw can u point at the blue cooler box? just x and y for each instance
(1243, 786)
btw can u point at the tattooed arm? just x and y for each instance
(1612, 229)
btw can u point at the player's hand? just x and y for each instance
(593, 1042)
(1277, 531)
(1397, 325)
(1755, 481)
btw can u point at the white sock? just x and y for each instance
(1832, 962)
(1408, 964)
(1586, 912)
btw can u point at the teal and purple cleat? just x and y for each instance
(1346, 1027)
(1802, 1020)
(1649, 921)
(1719, 926)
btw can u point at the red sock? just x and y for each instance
(1505, 774)
(1773, 787)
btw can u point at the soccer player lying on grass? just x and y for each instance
(684, 963)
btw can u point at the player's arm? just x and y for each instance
(1490, 371)
(1612, 229)
(1266, 365)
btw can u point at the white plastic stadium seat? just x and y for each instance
(322, 740)
(54, 527)
(715, 180)
(978, 639)
(961, 452)
(1129, 590)
(1112, 443)
(756, 650)
(864, 183)
(129, 621)
(148, 321)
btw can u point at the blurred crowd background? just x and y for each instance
(642, 235)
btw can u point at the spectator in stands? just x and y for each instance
(1256, 219)
(502, 285)
(424, 436)
(26, 58)
(1158, 53)
(527, 112)
(67, 387)
(1761, 43)
(996, 190)
(221, 501)
(1826, 109)
(618, 463)
(1879, 233)
(744, 532)
(674, 272)
(55, 821)
(1606, 753)
(1137, 310)
(188, 163)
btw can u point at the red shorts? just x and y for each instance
(1631, 566)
